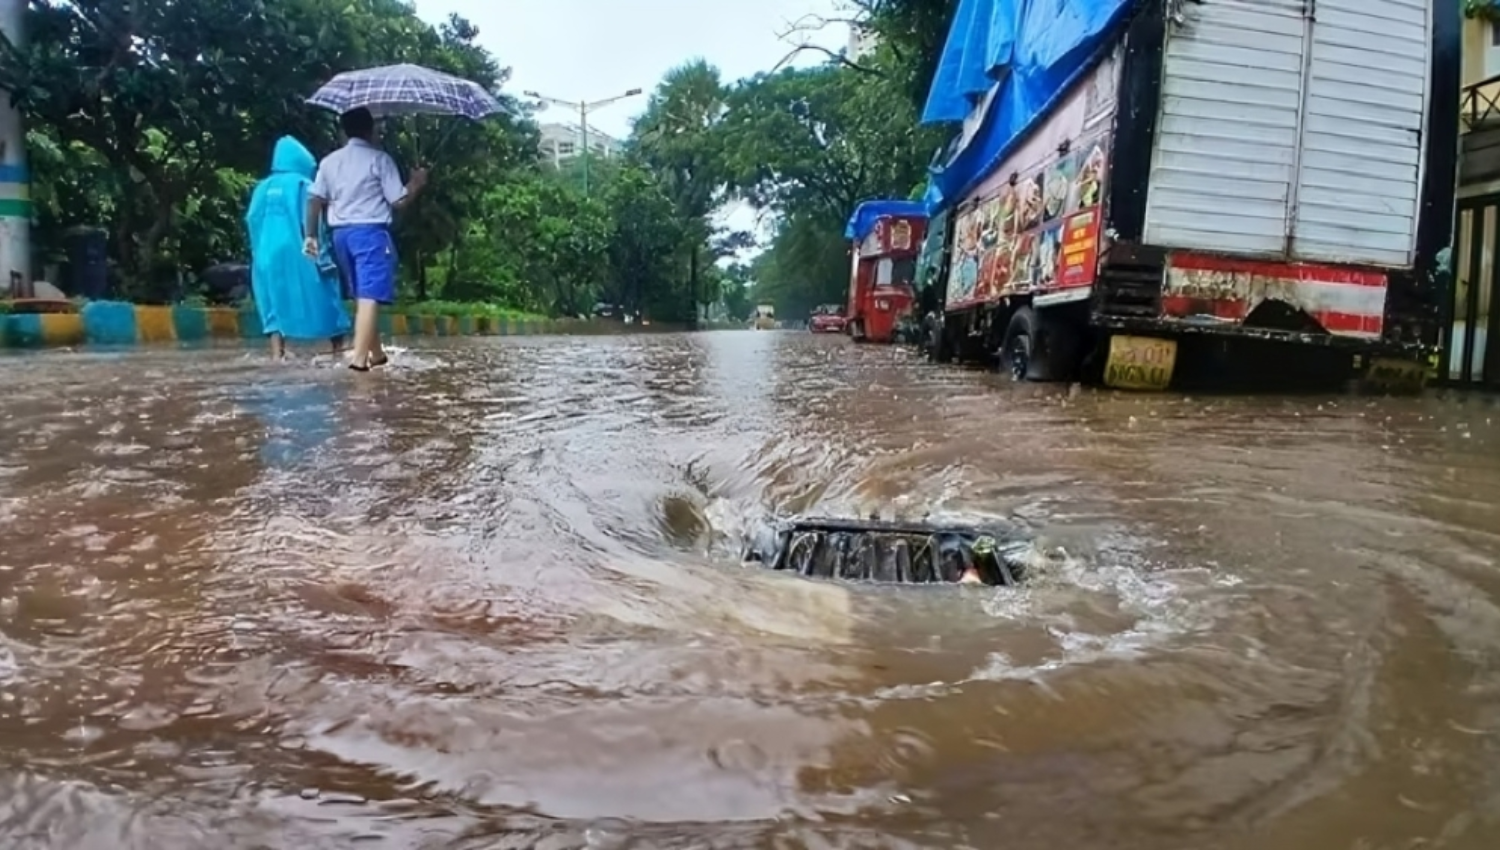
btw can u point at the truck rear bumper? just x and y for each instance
(1178, 328)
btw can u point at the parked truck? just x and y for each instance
(1158, 186)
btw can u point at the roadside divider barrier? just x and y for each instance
(119, 323)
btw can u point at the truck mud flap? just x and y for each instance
(893, 552)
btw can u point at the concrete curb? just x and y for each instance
(119, 323)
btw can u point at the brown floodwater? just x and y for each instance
(490, 599)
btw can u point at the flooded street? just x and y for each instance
(491, 599)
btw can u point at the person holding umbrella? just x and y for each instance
(359, 188)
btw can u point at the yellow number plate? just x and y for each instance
(1393, 375)
(1140, 362)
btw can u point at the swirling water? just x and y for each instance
(488, 599)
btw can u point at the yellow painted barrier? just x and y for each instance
(116, 323)
(223, 323)
(154, 324)
(61, 328)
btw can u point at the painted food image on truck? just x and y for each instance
(1037, 237)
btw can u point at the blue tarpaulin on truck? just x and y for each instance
(1030, 52)
(863, 220)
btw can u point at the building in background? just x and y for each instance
(562, 142)
(862, 43)
(1477, 225)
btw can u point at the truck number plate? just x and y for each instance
(1140, 362)
(1399, 376)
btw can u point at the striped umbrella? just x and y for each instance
(406, 90)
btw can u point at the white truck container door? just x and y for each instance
(1227, 133)
(1292, 130)
(1360, 171)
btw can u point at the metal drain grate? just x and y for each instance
(904, 553)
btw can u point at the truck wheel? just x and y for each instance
(1038, 348)
(939, 347)
(857, 331)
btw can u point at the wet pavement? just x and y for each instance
(489, 599)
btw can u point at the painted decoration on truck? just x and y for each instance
(1208, 289)
(1033, 227)
(1036, 237)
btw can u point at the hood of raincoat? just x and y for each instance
(292, 157)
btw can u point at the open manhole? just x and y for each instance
(901, 553)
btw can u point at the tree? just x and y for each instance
(738, 278)
(645, 241)
(910, 35)
(678, 138)
(162, 93)
(156, 117)
(806, 265)
(820, 140)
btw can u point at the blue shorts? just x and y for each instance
(366, 254)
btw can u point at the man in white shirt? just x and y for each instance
(359, 188)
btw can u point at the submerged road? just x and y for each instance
(489, 599)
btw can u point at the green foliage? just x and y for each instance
(646, 244)
(820, 140)
(464, 308)
(154, 119)
(806, 265)
(537, 243)
(911, 34)
(809, 144)
(1484, 10)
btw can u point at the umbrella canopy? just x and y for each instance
(406, 90)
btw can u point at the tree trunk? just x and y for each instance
(693, 285)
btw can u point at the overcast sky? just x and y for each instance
(594, 49)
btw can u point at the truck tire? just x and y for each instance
(939, 346)
(857, 330)
(1039, 348)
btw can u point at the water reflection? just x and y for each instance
(299, 419)
(485, 599)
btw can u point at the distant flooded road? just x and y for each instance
(490, 599)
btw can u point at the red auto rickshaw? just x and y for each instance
(885, 239)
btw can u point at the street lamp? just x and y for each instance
(583, 108)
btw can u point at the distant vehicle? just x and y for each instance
(885, 239)
(608, 311)
(827, 319)
(765, 317)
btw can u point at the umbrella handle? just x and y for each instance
(443, 139)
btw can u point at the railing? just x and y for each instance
(1480, 102)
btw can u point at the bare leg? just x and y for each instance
(378, 356)
(366, 338)
(278, 346)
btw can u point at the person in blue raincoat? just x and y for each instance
(297, 298)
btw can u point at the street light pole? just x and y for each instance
(583, 136)
(15, 181)
(583, 108)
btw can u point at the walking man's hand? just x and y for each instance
(418, 178)
(310, 247)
